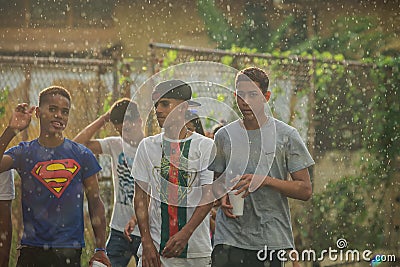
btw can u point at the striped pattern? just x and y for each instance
(174, 218)
(125, 182)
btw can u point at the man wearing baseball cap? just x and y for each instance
(171, 168)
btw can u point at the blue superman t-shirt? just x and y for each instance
(52, 191)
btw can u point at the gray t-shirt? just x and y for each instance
(275, 149)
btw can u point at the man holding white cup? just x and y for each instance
(274, 150)
(237, 202)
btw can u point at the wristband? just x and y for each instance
(100, 249)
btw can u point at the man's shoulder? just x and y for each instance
(199, 137)
(112, 141)
(201, 142)
(24, 146)
(283, 128)
(74, 146)
(152, 138)
(230, 127)
(111, 138)
(28, 143)
(150, 141)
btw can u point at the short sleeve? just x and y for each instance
(15, 153)
(7, 191)
(105, 146)
(298, 157)
(140, 165)
(217, 157)
(90, 164)
(206, 175)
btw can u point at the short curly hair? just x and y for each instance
(120, 107)
(53, 90)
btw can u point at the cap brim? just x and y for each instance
(193, 103)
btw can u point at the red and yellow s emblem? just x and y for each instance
(56, 175)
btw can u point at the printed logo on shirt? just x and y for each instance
(56, 175)
(126, 182)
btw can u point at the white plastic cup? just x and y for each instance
(98, 264)
(237, 202)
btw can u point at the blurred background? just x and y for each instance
(334, 68)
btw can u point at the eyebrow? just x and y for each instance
(252, 91)
(164, 101)
(55, 106)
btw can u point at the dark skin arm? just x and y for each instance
(5, 232)
(150, 255)
(97, 218)
(20, 120)
(178, 242)
(84, 137)
(129, 227)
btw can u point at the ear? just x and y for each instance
(183, 106)
(37, 112)
(267, 95)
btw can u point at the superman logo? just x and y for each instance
(56, 175)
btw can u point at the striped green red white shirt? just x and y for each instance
(175, 171)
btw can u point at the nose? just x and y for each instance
(244, 99)
(58, 114)
(158, 108)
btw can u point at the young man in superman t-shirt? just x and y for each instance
(55, 173)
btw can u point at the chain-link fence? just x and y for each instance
(310, 94)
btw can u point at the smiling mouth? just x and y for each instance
(57, 124)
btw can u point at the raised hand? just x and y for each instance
(21, 117)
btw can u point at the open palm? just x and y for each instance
(21, 117)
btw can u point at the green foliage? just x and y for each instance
(221, 97)
(364, 103)
(383, 134)
(355, 37)
(218, 28)
(171, 57)
(254, 32)
(227, 60)
(343, 210)
(107, 103)
(3, 98)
